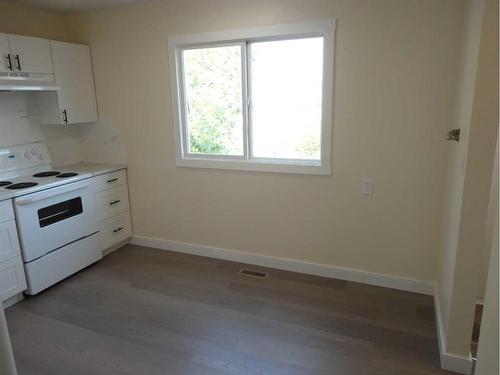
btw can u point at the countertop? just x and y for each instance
(95, 169)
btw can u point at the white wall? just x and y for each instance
(19, 126)
(488, 349)
(490, 233)
(467, 191)
(102, 143)
(457, 153)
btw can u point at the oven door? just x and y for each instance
(55, 217)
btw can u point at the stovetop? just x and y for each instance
(20, 185)
(26, 169)
(26, 184)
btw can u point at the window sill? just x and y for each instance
(311, 168)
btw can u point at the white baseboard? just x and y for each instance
(115, 247)
(450, 362)
(13, 300)
(342, 273)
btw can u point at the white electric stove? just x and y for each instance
(55, 214)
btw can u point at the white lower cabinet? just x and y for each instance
(113, 208)
(110, 180)
(12, 278)
(112, 202)
(115, 230)
(9, 242)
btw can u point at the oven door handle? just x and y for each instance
(48, 195)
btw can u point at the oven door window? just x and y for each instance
(59, 212)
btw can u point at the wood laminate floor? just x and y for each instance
(143, 311)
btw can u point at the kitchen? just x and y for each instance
(58, 213)
(187, 192)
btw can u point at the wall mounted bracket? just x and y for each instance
(453, 135)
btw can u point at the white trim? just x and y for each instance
(450, 362)
(12, 300)
(115, 247)
(176, 44)
(342, 273)
(284, 30)
(245, 99)
(255, 165)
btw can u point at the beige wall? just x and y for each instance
(395, 73)
(469, 179)
(17, 19)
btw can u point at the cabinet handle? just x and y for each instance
(10, 62)
(18, 62)
(65, 116)
(112, 180)
(117, 230)
(114, 202)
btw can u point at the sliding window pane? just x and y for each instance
(213, 81)
(286, 89)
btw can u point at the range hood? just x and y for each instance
(28, 86)
(27, 82)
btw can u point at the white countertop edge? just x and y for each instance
(95, 169)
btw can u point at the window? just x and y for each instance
(255, 99)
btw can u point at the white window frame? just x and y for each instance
(177, 44)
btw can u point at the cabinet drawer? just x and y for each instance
(115, 230)
(112, 202)
(12, 278)
(9, 242)
(110, 180)
(6, 210)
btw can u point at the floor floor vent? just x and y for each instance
(259, 274)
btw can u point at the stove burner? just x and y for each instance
(21, 185)
(5, 183)
(67, 174)
(46, 174)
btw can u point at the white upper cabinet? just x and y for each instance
(30, 55)
(68, 64)
(5, 61)
(73, 73)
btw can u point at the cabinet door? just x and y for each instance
(73, 71)
(9, 243)
(116, 229)
(30, 55)
(4, 54)
(12, 278)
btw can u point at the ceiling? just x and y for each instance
(74, 5)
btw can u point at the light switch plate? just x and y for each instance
(367, 185)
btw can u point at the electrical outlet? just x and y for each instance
(367, 185)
